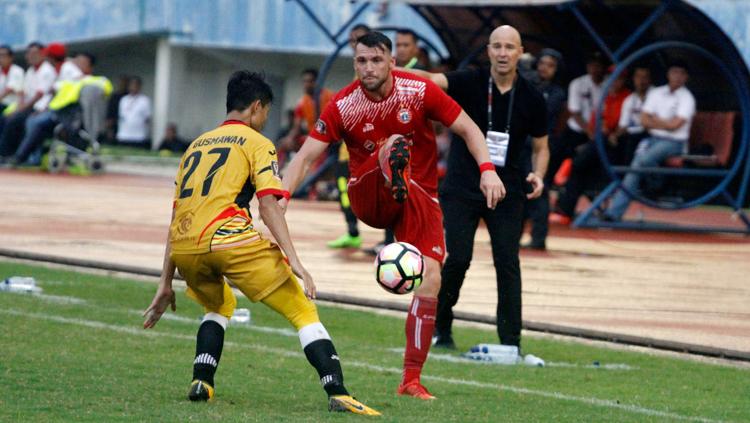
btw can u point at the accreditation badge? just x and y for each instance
(497, 144)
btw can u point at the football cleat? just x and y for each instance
(416, 390)
(346, 241)
(347, 404)
(200, 391)
(398, 161)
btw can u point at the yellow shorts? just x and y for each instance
(256, 269)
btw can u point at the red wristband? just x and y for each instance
(286, 195)
(486, 166)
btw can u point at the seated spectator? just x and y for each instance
(630, 130)
(407, 50)
(40, 126)
(667, 114)
(37, 93)
(134, 117)
(587, 166)
(172, 142)
(11, 82)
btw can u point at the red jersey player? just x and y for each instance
(384, 118)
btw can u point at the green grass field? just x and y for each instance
(78, 353)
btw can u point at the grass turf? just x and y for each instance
(77, 353)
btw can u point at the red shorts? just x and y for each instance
(418, 221)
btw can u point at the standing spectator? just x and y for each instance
(134, 119)
(630, 130)
(583, 93)
(537, 210)
(587, 167)
(113, 109)
(505, 106)
(667, 114)
(394, 181)
(306, 111)
(37, 92)
(407, 50)
(11, 84)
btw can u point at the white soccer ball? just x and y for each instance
(399, 267)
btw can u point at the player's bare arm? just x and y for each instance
(438, 79)
(273, 217)
(490, 184)
(299, 166)
(540, 160)
(164, 294)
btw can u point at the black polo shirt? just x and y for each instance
(528, 118)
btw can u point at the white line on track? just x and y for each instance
(453, 381)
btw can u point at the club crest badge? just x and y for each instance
(320, 127)
(369, 145)
(404, 115)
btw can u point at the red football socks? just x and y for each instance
(420, 325)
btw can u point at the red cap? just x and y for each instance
(55, 50)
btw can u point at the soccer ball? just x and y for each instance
(399, 267)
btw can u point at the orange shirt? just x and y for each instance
(611, 113)
(306, 107)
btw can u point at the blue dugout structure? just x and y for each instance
(625, 32)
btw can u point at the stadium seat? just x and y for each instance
(710, 144)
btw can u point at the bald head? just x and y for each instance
(506, 33)
(504, 50)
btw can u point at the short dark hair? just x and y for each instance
(376, 39)
(678, 63)
(135, 78)
(246, 87)
(91, 58)
(7, 48)
(311, 71)
(409, 32)
(36, 44)
(597, 57)
(361, 26)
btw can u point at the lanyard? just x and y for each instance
(489, 106)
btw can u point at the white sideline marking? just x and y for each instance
(457, 359)
(453, 381)
(265, 329)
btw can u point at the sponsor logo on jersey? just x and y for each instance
(368, 127)
(275, 168)
(369, 145)
(404, 115)
(320, 127)
(437, 249)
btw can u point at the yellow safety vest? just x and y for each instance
(70, 91)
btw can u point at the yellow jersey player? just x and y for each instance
(212, 239)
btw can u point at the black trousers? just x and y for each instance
(461, 217)
(342, 178)
(562, 148)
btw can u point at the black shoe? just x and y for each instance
(534, 245)
(200, 391)
(443, 341)
(398, 160)
(375, 249)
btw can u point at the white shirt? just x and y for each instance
(39, 80)
(661, 102)
(14, 81)
(135, 111)
(630, 114)
(583, 95)
(69, 71)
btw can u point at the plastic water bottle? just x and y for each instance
(241, 316)
(532, 360)
(22, 284)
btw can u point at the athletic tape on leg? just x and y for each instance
(218, 318)
(312, 333)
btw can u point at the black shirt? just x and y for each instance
(529, 118)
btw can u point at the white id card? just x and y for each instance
(497, 143)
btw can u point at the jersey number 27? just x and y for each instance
(191, 163)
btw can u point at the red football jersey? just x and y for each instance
(365, 124)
